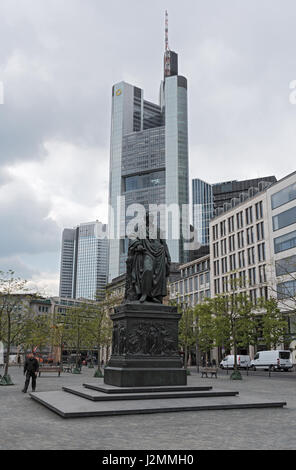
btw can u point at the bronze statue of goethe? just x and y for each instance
(148, 264)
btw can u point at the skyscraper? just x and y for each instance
(207, 199)
(148, 155)
(84, 262)
(227, 190)
(202, 209)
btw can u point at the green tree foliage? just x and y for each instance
(14, 311)
(187, 333)
(274, 326)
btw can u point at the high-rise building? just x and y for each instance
(227, 190)
(67, 259)
(148, 156)
(202, 209)
(84, 262)
(209, 199)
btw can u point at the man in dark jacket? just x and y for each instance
(31, 369)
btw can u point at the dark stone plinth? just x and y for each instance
(145, 347)
(144, 377)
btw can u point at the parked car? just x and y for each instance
(243, 361)
(274, 360)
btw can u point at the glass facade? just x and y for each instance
(285, 242)
(88, 264)
(202, 208)
(225, 191)
(67, 260)
(285, 265)
(286, 290)
(282, 197)
(148, 159)
(284, 219)
(149, 180)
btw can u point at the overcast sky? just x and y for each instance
(58, 62)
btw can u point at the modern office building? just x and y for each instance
(202, 209)
(148, 156)
(193, 286)
(226, 191)
(209, 199)
(254, 241)
(84, 262)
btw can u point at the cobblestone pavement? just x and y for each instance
(25, 424)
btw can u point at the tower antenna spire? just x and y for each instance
(166, 31)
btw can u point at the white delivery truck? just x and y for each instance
(243, 362)
(274, 360)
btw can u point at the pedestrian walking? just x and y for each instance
(31, 368)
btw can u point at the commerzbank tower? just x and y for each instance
(148, 154)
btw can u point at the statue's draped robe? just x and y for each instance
(155, 258)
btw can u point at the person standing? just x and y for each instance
(31, 368)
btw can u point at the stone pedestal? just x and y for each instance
(145, 347)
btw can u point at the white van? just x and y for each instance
(242, 362)
(275, 360)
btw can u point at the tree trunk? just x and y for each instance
(8, 346)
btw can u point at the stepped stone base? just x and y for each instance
(69, 405)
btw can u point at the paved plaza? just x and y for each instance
(25, 424)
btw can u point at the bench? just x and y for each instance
(209, 370)
(57, 369)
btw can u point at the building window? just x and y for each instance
(250, 236)
(262, 274)
(231, 243)
(285, 265)
(224, 265)
(284, 219)
(264, 292)
(261, 252)
(216, 268)
(251, 256)
(225, 284)
(231, 224)
(241, 259)
(242, 279)
(216, 249)
(282, 197)
(223, 247)
(252, 276)
(195, 282)
(232, 263)
(222, 228)
(286, 290)
(239, 220)
(260, 231)
(285, 242)
(217, 286)
(253, 295)
(215, 232)
(240, 239)
(233, 283)
(249, 215)
(259, 210)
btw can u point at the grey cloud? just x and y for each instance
(25, 227)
